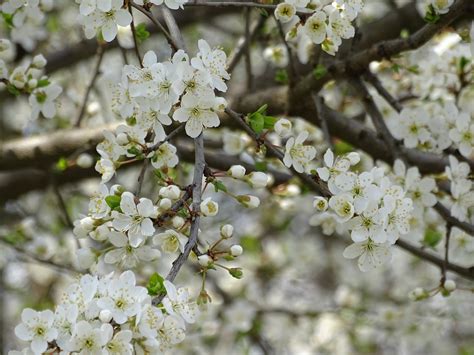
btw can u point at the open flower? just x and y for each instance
(135, 218)
(297, 154)
(370, 254)
(197, 113)
(177, 301)
(37, 328)
(170, 241)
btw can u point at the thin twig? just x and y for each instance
(319, 102)
(376, 83)
(100, 56)
(291, 64)
(239, 49)
(157, 23)
(248, 61)
(134, 35)
(444, 268)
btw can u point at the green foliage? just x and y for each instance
(219, 186)
(431, 15)
(141, 33)
(320, 71)
(62, 164)
(432, 238)
(281, 76)
(155, 285)
(259, 120)
(113, 201)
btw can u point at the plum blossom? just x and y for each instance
(297, 154)
(135, 218)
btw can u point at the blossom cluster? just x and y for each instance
(326, 23)
(180, 90)
(28, 78)
(369, 205)
(104, 16)
(108, 315)
(435, 128)
(26, 19)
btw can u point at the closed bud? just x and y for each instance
(353, 157)
(178, 222)
(449, 285)
(117, 190)
(236, 250)
(227, 231)
(236, 171)
(165, 204)
(85, 160)
(258, 179)
(39, 61)
(122, 139)
(249, 201)
(32, 83)
(105, 316)
(236, 272)
(172, 192)
(204, 260)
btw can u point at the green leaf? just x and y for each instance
(141, 32)
(463, 61)
(13, 90)
(261, 166)
(269, 122)
(155, 285)
(395, 68)
(113, 201)
(257, 122)
(319, 71)
(134, 151)
(62, 164)
(281, 76)
(8, 18)
(236, 272)
(342, 147)
(432, 238)
(415, 69)
(431, 15)
(43, 83)
(219, 186)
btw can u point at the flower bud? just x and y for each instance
(227, 231)
(204, 260)
(449, 285)
(177, 222)
(83, 227)
(258, 179)
(101, 233)
(209, 208)
(39, 61)
(32, 83)
(353, 157)
(172, 192)
(320, 204)
(165, 204)
(236, 171)
(236, 272)
(122, 138)
(85, 160)
(283, 127)
(117, 190)
(105, 316)
(236, 250)
(249, 201)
